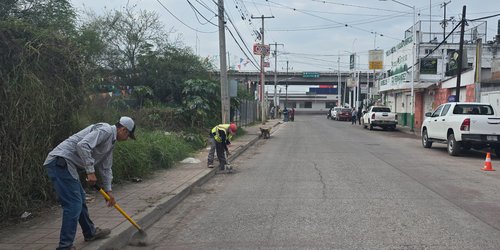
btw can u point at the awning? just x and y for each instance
(407, 86)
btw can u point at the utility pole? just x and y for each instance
(286, 86)
(443, 5)
(224, 88)
(478, 65)
(339, 87)
(430, 20)
(460, 55)
(275, 99)
(262, 80)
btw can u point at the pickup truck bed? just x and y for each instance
(378, 116)
(462, 126)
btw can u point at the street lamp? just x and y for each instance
(414, 40)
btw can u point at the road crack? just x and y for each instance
(321, 180)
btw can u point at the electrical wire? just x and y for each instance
(206, 7)
(239, 35)
(481, 18)
(442, 42)
(234, 38)
(182, 21)
(357, 6)
(330, 20)
(196, 11)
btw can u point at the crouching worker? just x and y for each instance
(218, 139)
(89, 150)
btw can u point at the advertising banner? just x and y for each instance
(376, 59)
(352, 61)
(428, 66)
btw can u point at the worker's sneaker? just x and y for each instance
(99, 234)
(211, 165)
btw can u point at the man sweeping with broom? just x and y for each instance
(90, 149)
(218, 139)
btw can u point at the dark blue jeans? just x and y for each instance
(72, 198)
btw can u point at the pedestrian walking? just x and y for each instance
(360, 114)
(220, 136)
(354, 116)
(89, 150)
(272, 111)
(292, 114)
(285, 114)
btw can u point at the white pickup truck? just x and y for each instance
(462, 125)
(379, 116)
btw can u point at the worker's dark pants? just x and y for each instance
(72, 198)
(221, 154)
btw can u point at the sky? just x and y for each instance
(313, 35)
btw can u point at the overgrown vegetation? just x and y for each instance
(57, 76)
(40, 83)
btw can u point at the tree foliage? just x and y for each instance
(40, 89)
(199, 102)
(126, 35)
(167, 72)
(53, 15)
(49, 65)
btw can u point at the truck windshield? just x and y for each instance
(381, 109)
(473, 109)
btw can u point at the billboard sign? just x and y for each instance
(376, 59)
(352, 61)
(399, 57)
(428, 66)
(260, 49)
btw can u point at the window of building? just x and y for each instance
(330, 104)
(308, 105)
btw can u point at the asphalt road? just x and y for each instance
(322, 184)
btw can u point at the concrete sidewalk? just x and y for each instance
(407, 130)
(145, 202)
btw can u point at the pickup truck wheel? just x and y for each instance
(371, 126)
(453, 146)
(425, 140)
(363, 123)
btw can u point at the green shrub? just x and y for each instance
(151, 151)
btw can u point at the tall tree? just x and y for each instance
(55, 15)
(166, 73)
(128, 34)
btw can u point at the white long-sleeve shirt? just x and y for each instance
(89, 149)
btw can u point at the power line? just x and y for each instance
(206, 7)
(357, 6)
(196, 11)
(234, 38)
(481, 18)
(182, 21)
(239, 35)
(330, 20)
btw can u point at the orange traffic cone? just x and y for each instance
(487, 163)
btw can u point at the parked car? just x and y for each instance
(379, 116)
(343, 114)
(334, 111)
(462, 125)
